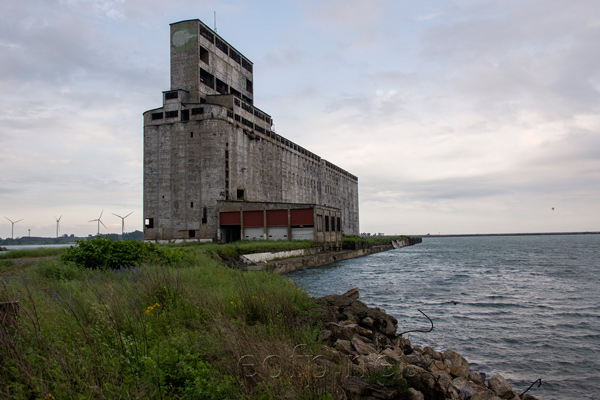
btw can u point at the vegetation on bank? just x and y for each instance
(359, 242)
(173, 323)
(32, 253)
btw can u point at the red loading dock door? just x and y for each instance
(253, 218)
(230, 218)
(277, 218)
(303, 216)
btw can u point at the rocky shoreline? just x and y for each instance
(366, 339)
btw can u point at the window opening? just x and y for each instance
(221, 45)
(157, 115)
(207, 79)
(171, 95)
(192, 233)
(204, 212)
(222, 87)
(203, 55)
(247, 65)
(185, 115)
(207, 34)
(149, 223)
(172, 114)
(235, 56)
(240, 194)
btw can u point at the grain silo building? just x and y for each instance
(215, 170)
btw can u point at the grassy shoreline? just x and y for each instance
(181, 327)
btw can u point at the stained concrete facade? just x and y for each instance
(208, 144)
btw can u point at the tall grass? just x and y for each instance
(197, 331)
(239, 248)
(26, 253)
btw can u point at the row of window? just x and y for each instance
(253, 110)
(221, 45)
(209, 80)
(185, 114)
(332, 224)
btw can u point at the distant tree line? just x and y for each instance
(64, 239)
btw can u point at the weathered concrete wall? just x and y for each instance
(317, 260)
(266, 257)
(207, 144)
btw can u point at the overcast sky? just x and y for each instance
(457, 116)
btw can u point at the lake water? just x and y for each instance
(526, 307)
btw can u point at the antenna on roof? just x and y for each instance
(215, 22)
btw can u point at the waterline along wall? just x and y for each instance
(209, 144)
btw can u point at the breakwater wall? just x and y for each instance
(294, 260)
(283, 262)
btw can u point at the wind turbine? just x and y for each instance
(99, 222)
(57, 224)
(12, 229)
(123, 222)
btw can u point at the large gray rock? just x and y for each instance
(361, 347)
(484, 394)
(344, 346)
(457, 359)
(444, 385)
(421, 380)
(414, 394)
(464, 389)
(476, 377)
(352, 293)
(417, 359)
(501, 387)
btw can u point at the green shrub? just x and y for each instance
(103, 253)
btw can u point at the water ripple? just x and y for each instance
(520, 306)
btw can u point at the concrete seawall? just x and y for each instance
(286, 265)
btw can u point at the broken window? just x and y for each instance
(207, 78)
(198, 110)
(207, 34)
(157, 115)
(235, 56)
(221, 45)
(222, 87)
(203, 55)
(171, 114)
(235, 93)
(247, 64)
(185, 115)
(171, 95)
